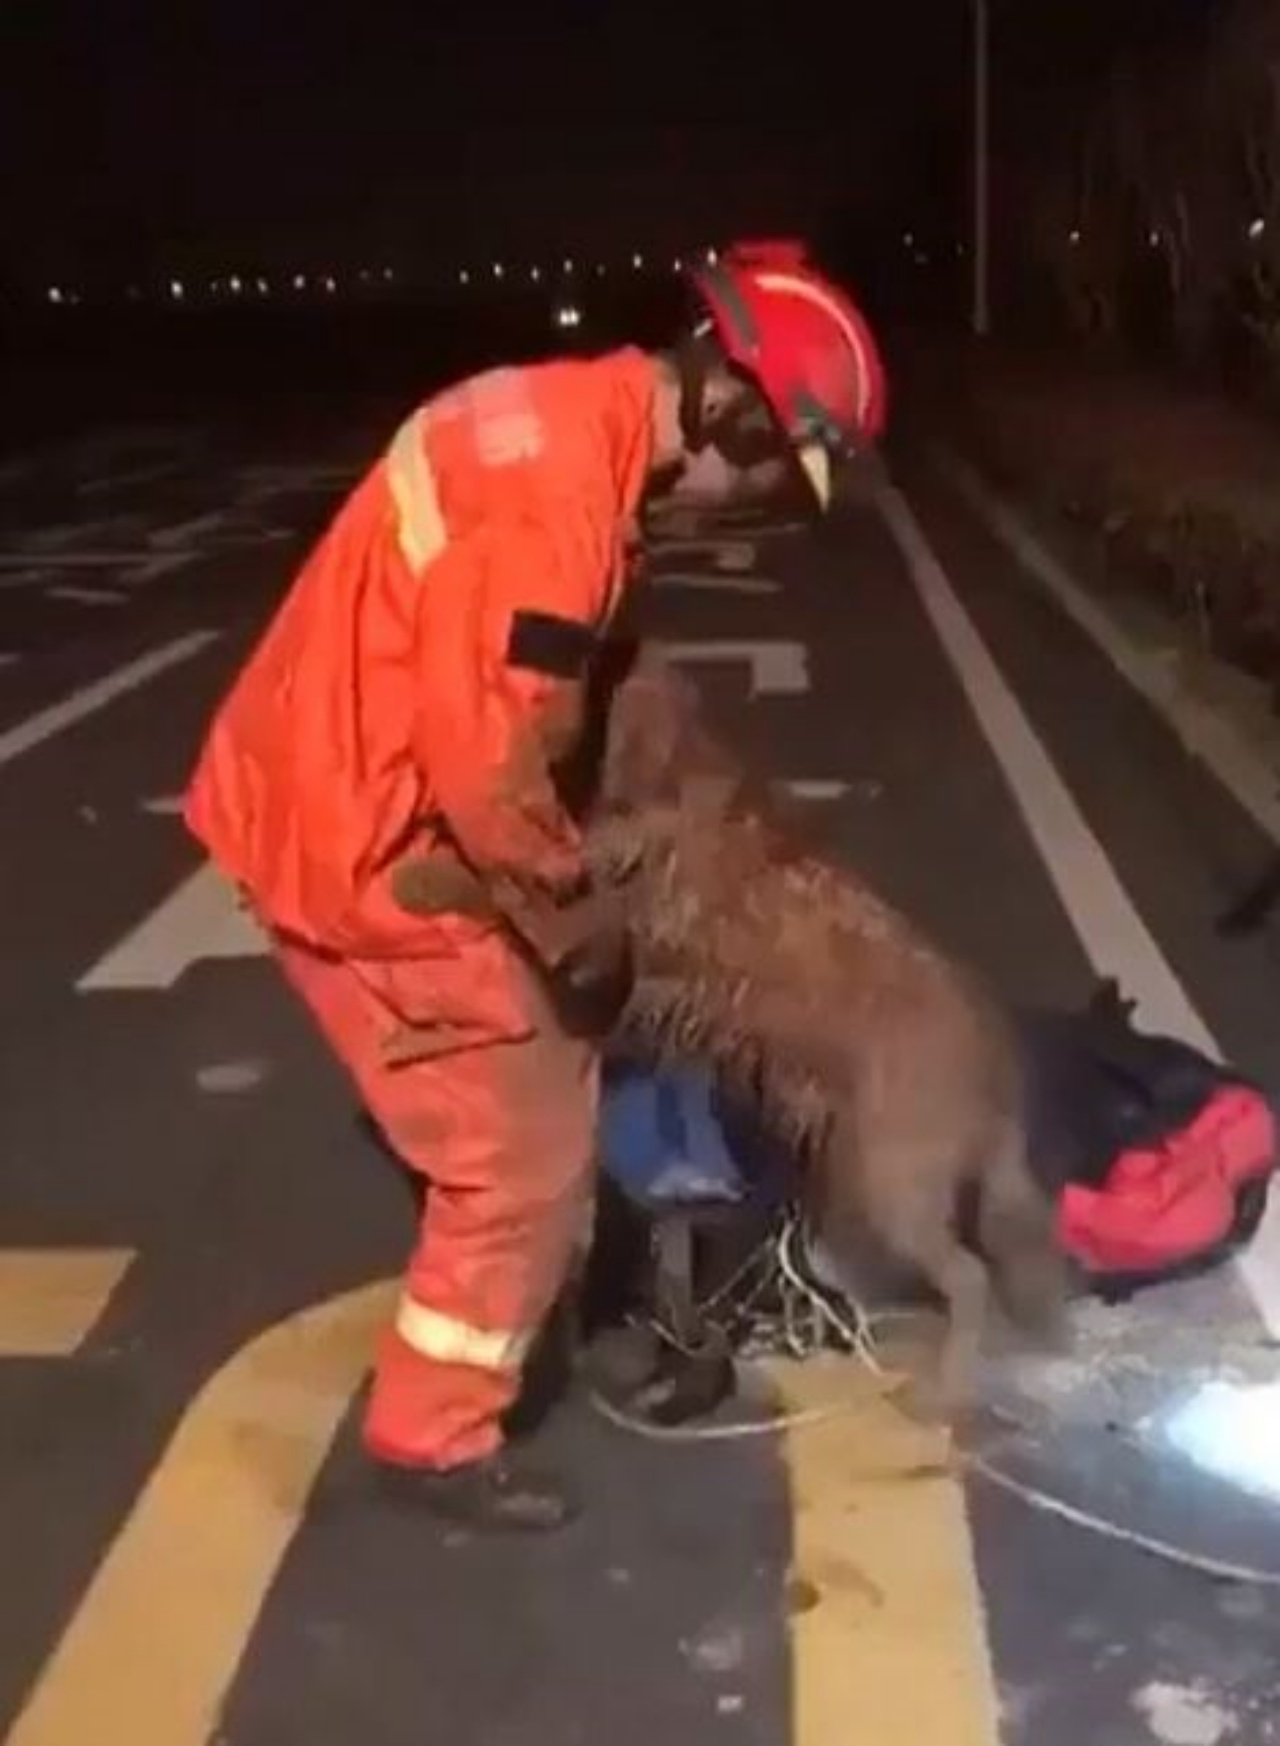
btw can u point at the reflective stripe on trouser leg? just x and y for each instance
(505, 1133)
(450, 1341)
(510, 1176)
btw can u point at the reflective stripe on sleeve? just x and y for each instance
(421, 528)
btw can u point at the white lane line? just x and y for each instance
(88, 596)
(119, 481)
(183, 535)
(816, 789)
(777, 669)
(1114, 936)
(164, 564)
(34, 559)
(199, 919)
(162, 805)
(1206, 733)
(24, 736)
(7, 659)
(717, 584)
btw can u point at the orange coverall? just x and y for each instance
(422, 675)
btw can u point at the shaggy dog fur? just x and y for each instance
(888, 1069)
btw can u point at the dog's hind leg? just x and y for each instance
(916, 1223)
(1016, 1230)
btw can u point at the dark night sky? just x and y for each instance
(295, 128)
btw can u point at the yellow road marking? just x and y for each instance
(888, 1642)
(50, 1299)
(888, 1637)
(160, 1631)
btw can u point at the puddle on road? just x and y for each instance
(1183, 1715)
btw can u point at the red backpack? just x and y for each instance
(1161, 1158)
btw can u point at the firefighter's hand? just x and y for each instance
(592, 978)
(441, 883)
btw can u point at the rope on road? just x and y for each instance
(718, 1433)
(810, 1316)
(1218, 1569)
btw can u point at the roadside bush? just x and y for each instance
(1177, 488)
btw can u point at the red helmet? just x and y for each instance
(806, 346)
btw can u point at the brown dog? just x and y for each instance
(889, 1069)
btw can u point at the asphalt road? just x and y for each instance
(195, 1240)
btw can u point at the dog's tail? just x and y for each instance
(1017, 1236)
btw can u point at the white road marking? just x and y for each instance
(7, 659)
(734, 555)
(778, 669)
(70, 560)
(98, 534)
(118, 481)
(24, 736)
(686, 527)
(88, 596)
(161, 564)
(163, 806)
(1208, 734)
(199, 919)
(197, 528)
(259, 483)
(817, 789)
(1114, 936)
(718, 584)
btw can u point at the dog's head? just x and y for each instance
(659, 750)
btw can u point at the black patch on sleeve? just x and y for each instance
(541, 642)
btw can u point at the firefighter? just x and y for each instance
(422, 684)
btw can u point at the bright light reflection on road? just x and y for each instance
(1232, 1431)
